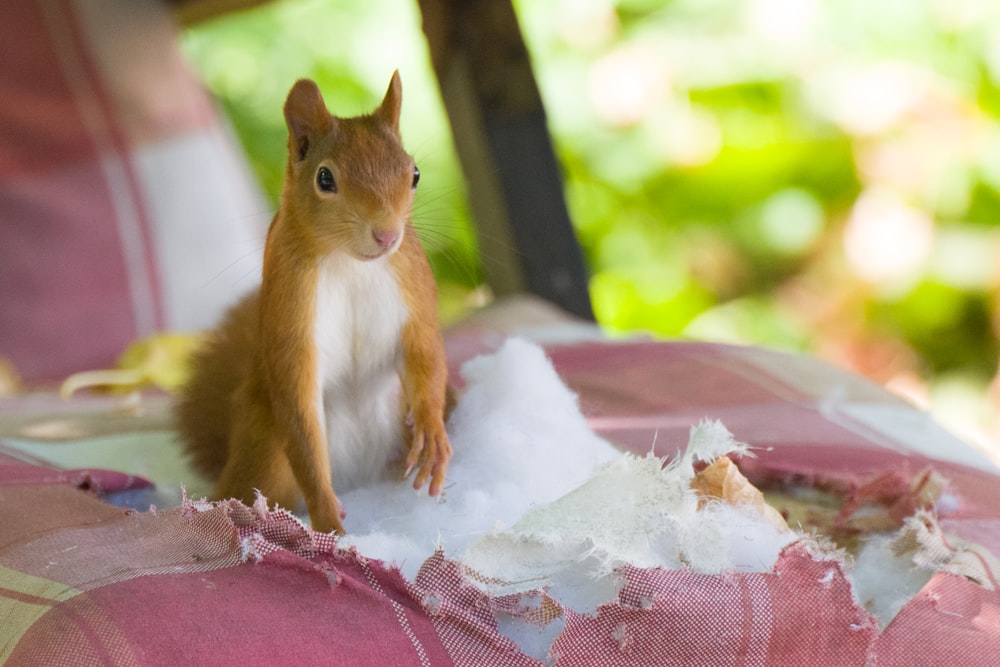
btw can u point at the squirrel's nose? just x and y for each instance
(385, 237)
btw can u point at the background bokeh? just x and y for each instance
(820, 176)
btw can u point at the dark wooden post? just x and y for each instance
(498, 122)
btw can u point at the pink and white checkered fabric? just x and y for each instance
(82, 582)
(123, 200)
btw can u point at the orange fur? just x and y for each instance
(254, 412)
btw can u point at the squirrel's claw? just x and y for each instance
(430, 453)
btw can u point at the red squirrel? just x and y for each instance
(336, 365)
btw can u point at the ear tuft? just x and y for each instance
(388, 111)
(306, 116)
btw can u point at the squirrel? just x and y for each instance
(335, 368)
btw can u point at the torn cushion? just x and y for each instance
(277, 592)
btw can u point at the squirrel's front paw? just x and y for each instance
(430, 453)
(328, 516)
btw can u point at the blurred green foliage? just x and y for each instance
(818, 175)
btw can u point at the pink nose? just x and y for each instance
(386, 237)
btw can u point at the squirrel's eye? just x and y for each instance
(324, 180)
(416, 177)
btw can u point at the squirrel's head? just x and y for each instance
(349, 183)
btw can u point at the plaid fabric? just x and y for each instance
(122, 198)
(685, 618)
(82, 582)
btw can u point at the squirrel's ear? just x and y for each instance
(306, 116)
(389, 109)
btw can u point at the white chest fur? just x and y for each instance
(359, 318)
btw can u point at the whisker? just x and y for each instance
(435, 239)
(256, 250)
(437, 194)
(264, 215)
(246, 277)
(466, 270)
(438, 229)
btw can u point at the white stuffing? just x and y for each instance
(535, 498)
(519, 441)
(884, 579)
